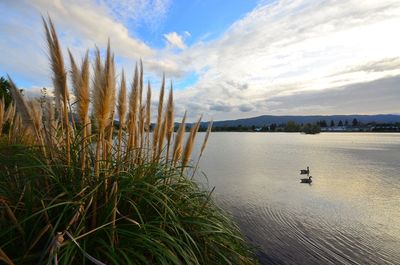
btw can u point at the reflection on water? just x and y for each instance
(350, 214)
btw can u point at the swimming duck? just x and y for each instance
(305, 171)
(308, 180)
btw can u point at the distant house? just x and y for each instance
(363, 128)
(334, 129)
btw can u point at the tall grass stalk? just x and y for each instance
(170, 119)
(159, 120)
(122, 107)
(148, 118)
(80, 83)
(59, 79)
(132, 122)
(203, 147)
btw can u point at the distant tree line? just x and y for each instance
(324, 123)
(312, 128)
(290, 126)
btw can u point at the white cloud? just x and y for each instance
(84, 24)
(175, 40)
(150, 13)
(291, 47)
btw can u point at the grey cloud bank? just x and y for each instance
(378, 96)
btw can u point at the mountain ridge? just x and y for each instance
(302, 119)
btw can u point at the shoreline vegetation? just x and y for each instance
(72, 194)
(310, 128)
(297, 123)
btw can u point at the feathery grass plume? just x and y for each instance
(203, 146)
(98, 75)
(121, 108)
(59, 78)
(190, 143)
(2, 114)
(161, 137)
(57, 86)
(80, 83)
(148, 116)
(112, 85)
(98, 94)
(75, 76)
(177, 153)
(170, 119)
(84, 101)
(109, 74)
(104, 90)
(30, 118)
(133, 109)
(110, 80)
(159, 119)
(160, 140)
(37, 119)
(141, 123)
(103, 98)
(98, 111)
(141, 83)
(22, 107)
(209, 128)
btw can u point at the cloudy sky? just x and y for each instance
(226, 59)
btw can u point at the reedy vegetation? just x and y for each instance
(70, 193)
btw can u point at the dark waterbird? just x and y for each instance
(305, 171)
(306, 180)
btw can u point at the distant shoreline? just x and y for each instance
(305, 133)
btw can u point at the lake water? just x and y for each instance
(350, 214)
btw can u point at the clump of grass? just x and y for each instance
(72, 194)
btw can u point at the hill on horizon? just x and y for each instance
(269, 119)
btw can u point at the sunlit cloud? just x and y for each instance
(175, 40)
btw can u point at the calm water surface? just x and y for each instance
(350, 214)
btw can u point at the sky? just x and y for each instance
(226, 59)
